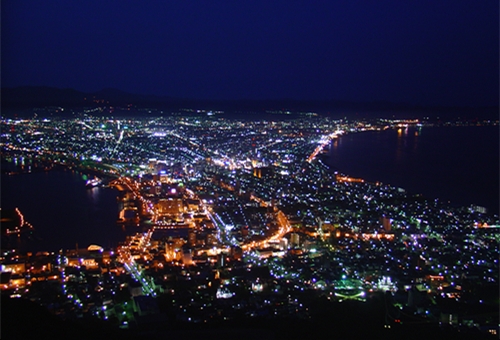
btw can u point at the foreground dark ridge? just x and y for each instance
(339, 321)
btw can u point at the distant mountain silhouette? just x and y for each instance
(42, 96)
(29, 97)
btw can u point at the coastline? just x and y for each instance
(82, 216)
(415, 164)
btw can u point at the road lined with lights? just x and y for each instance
(125, 257)
(322, 143)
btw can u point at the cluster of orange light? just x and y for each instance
(349, 179)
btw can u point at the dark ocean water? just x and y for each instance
(62, 210)
(456, 164)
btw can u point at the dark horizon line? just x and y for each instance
(167, 97)
(25, 97)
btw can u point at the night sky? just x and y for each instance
(433, 52)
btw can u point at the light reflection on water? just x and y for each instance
(459, 164)
(62, 210)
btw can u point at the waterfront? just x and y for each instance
(263, 217)
(62, 210)
(456, 164)
(437, 162)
